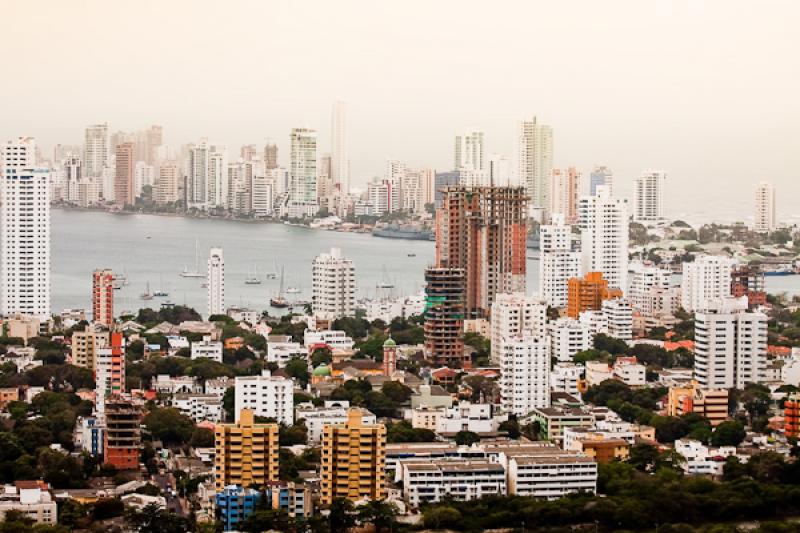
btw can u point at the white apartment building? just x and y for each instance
(564, 377)
(514, 315)
(303, 167)
(199, 407)
(31, 498)
(466, 416)
(557, 263)
(525, 374)
(218, 386)
(766, 220)
(644, 277)
(629, 371)
(461, 480)
(332, 412)
(208, 349)
(730, 345)
(596, 321)
(701, 459)
(598, 372)
(648, 196)
(568, 337)
(604, 236)
(25, 221)
(550, 473)
(707, 278)
(564, 193)
(95, 150)
(166, 384)
(620, 318)
(333, 285)
(424, 417)
(268, 396)
(535, 161)
(216, 282)
(469, 151)
(281, 349)
(333, 339)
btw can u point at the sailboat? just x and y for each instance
(147, 295)
(253, 279)
(278, 300)
(196, 272)
(292, 289)
(385, 282)
(274, 273)
(161, 293)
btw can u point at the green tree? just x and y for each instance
(342, 515)
(298, 369)
(466, 438)
(382, 515)
(169, 426)
(728, 433)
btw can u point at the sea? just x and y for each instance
(152, 250)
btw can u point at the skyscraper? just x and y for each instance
(564, 193)
(333, 279)
(353, 460)
(95, 150)
(535, 160)
(246, 453)
(340, 165)
(648, 196)
(270, 156)
(216, 282)
(218, 176)
(444, 316)
(483, 230)
(197, 181)
(303, 167)
(604, 236)
(558, 263)
(103, 297)
(469, 151)
(124, 176)
(25, 216)
(765, 208)
(730, 345)
(601, 176)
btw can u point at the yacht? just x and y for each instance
(196, 272)
(252, 279)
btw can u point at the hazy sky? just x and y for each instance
(707, 91)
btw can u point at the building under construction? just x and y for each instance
(482, 231)
(748, 280)
(444, 316)
(123, 434)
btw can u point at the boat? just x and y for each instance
(412, 255)
(196, 272)
(161, 293)
(396, 231)
(292, 290)
(278, 300)
(274, 273)
(147, 295)
(385, 282)
(252, 279)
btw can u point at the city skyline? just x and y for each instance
(663, 106)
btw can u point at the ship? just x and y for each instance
(396, 231)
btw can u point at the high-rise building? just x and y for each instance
(167, 184)
(499, 171)
(564, 193)
(706, 278)
(122, 437)
(265, 395)
(25, 220)
(246, 453)
(124, 176)
(340, 165)
(766, 220)
(444, 316)
(730, 345)
(601, 177)
(648, 196)
(110, 370)
(558, 263)
(333, 280)
(525, 374)
(103, 297)
(604, 236)
(748, 280)
(270, 156)
(515, 315)
(353, 460)
(248, 152)
(483, 231)
(303, 167)
(218, 176)
(216, 282)
(154, 138)
(588, 293)
(646, 277)
(535, 160)
(95, 150)
(85, 346)
(619, 314)
(468, 151)
(197, 181)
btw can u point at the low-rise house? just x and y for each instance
(175, 343)
(466, 416)
(425, 417)
(208, 349)
(166, 384)
(281, 349)
(462, 480)
(629, 371)
(32, 499)
(333, 339)
(597, 372)
(566, 377)
(702, 460)
(550, 474)
(554, 420)
(218, 386)
(199, 407)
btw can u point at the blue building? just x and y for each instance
(89, 435)
(234, 504)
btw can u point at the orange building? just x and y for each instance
(124, 177)
(791, 416)
(588, 293)
(103, 297)
(123, 435)
(710, 403)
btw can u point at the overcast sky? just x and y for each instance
(707, 91)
